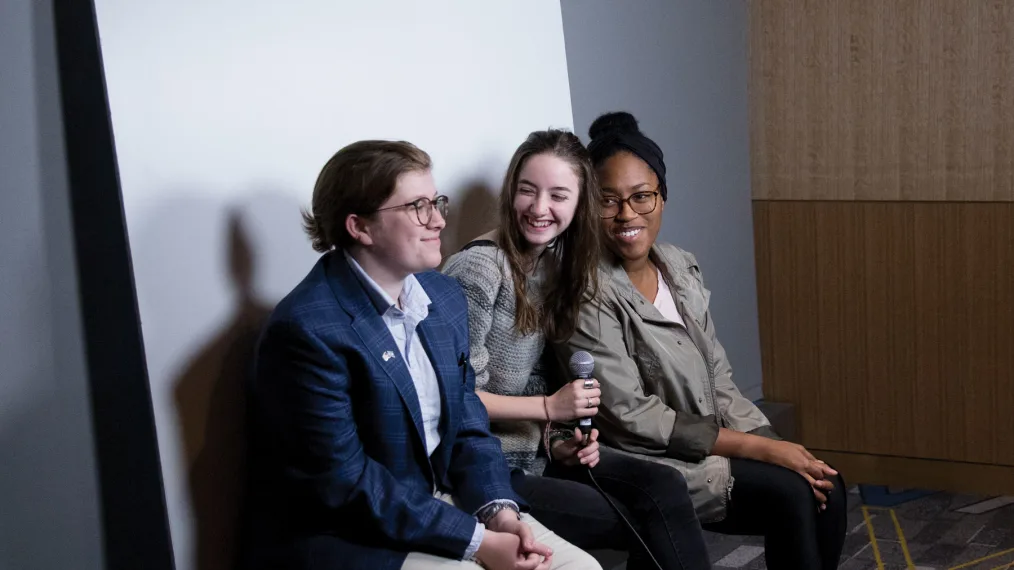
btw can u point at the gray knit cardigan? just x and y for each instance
(505, 362)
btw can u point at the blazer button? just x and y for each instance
(679, 342)
(700, 400)
(709, 479)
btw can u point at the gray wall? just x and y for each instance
(49, 508)
(680, 66)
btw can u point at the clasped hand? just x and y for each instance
(796, 457)
(509, 544)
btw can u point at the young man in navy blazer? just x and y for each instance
(369, 447)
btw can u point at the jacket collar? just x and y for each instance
(414, 300)
(349, 290)
(674, 271)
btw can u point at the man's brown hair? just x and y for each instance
(358, 179)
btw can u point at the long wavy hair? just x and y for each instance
(573, 279)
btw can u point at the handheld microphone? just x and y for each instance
(581, 366)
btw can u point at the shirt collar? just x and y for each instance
(413, 297)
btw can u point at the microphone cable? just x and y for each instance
(620, 513)
(581, 365)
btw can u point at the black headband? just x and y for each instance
(617, 132)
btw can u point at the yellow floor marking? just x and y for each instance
(983, 559)
(904, 544)
(873, 539)
(901, 539)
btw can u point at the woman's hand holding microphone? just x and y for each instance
(576, 400)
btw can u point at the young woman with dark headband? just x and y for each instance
(666, 382)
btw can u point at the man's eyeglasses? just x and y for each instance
(424, 208)
(640, 202)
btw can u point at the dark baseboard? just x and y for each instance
(931, 474)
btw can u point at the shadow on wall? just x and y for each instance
(207, 271)
(473, 213)
(210, 402)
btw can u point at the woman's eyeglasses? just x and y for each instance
(640, 202)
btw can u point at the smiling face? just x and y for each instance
(395, 237)
(545, 199)
(630, 234)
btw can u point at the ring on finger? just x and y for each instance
(589, 403)
(589, 384)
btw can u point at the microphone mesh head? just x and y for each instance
(582, 364)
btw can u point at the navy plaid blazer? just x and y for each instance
(339, 476)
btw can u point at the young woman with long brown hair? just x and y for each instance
(525, 284)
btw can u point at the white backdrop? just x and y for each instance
(225, 110)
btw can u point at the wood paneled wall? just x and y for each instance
(882, 99)
(891, 325)
(882, 156)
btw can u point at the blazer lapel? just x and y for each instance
(374, 334)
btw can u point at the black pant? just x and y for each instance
(652, 497)
(778, 504)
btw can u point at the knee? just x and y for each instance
(792, 493)
(660, 479)
(838, 496)
(673, 480)
(838, 491)
(794, 496)
(839, 482)
(666, 488)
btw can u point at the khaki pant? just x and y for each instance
(566, 556)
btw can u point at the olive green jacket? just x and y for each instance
(666, 389)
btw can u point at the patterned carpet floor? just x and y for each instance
(891, 529)
(903, 529)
